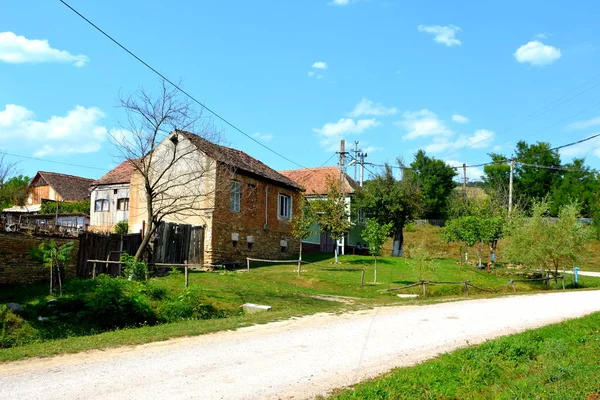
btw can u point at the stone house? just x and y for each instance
(109, 198)
(315, 183)
(244, 206)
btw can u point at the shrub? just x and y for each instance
(14, 330)
(188, 305)
(134, 270)
(122, 227)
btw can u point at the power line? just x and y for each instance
(54, 162)
(533, 115)
(176, 86)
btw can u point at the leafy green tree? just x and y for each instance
(475, 232)
(54, 257)
(302, 226)
(388, 200)
(533, 181)
(14, 191)
(436, 180)
(375, 235)
(496, 178)
(332, 213)
(540, 241)
(580, 184)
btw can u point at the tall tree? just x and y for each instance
(171, 176)
(496, 181)
(580, 184)
(436, 180)
(332, 213)
(14, 191)
(388, 200)
(535, 170)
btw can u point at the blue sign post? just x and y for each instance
(576, 272)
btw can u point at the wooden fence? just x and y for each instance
(104, 247)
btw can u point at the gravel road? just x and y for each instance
(297, 358)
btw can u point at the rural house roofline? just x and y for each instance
(69, 187)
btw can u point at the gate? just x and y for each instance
(179, 244)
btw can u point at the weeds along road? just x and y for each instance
(298, 358)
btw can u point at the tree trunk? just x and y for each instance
(150, 227)
(375, 274)
(397, 249)
(300, 258)
(336, 252)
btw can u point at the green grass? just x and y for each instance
(280, 287)
(555, 362)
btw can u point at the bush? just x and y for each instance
(122, 227)
(134, 270)
(14, 330)
(188, 305)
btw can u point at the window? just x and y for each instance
(235, 196)
(284, 206)
(101, 205)
(123, 204)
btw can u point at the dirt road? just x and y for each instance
(297, 358)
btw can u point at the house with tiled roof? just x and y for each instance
(243, 207)
(315, 182)
(109, 198)
(58, 187)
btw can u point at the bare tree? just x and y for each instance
(171, 174)
(7, 169)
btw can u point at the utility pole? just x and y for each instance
(465, 181)
(355, 151)
(361, 158)
(510, 186)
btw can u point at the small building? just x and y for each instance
(58, 187)
(315, 183)
(243, 207)
(109, 198)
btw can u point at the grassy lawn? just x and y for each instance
(555, 362)
(277, 286)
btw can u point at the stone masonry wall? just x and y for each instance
(16, 265)
(257, 220)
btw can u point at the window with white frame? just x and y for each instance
(235, 198)
(101, 205)
(284, 206)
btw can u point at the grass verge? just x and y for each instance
(558, 361)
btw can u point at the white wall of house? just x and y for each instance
(114, 196)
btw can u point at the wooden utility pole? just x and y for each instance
(510, 186)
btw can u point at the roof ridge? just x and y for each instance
(69, 175)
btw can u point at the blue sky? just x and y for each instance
(459, 79)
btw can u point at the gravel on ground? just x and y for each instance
(292, 359)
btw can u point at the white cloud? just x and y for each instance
(442, 34)
(473, 173)
(540, 36)
(368, 107)
(331, 133)
(78, 131)
(481, 139)
(575, 125)
(320, 65)
(16, 49)
(340, 2)
(537, 53)
(423, 123)
(265, 137)
(592, 146)
(460, 119)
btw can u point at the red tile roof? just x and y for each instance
(315, 180)
(238, 159)
(69, 187)
(121, 174)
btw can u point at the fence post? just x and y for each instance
(513, 286)
(186, 276)
(362, 277)
(248, 264)
(466, 288)
(424, 283)
(563, 281)
(94, 271)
